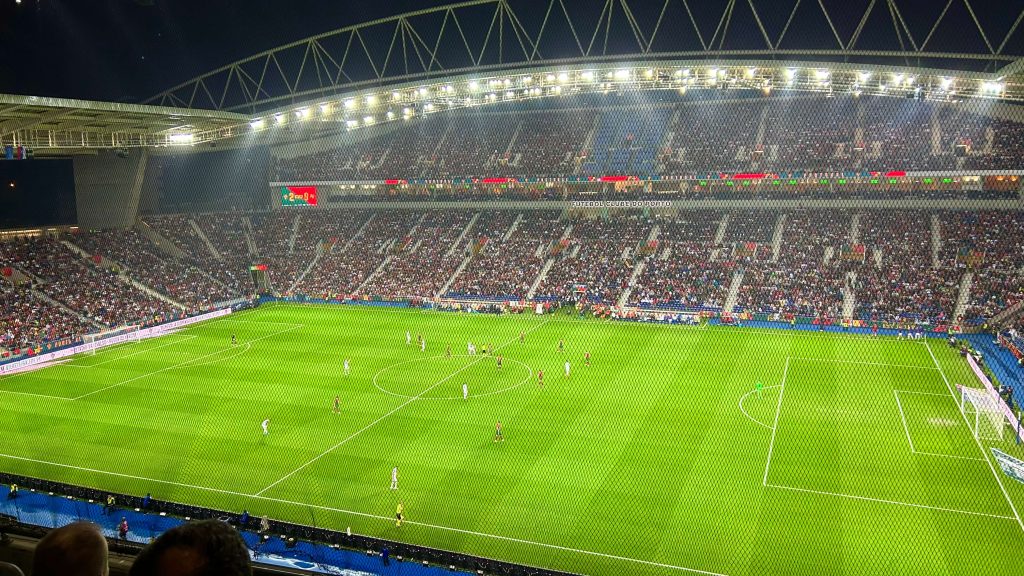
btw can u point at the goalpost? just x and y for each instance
(983, 412)
(93, 342)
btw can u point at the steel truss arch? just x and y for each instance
(492, 35)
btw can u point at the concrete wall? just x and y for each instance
(107, 189)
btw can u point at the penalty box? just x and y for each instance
(841, 432)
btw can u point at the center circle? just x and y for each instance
(441, 377)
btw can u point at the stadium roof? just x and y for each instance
(57, 125)
(495, 36)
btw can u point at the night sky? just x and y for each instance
(129, 50)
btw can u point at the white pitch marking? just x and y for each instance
(894, 502)
(904, 419)
(978, 442)
(742, 398)
(838, 361)
(363, 515)
(186, 362)
(396, 409)
(943, 394)
(132, 354)
(775, 425)
(949, 456)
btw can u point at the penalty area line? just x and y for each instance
(976, 440)
(775, 425)
(366, 515)
(893, 502)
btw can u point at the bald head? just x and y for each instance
(77, 549)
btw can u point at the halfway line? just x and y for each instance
(396, 409)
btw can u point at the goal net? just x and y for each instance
(983, 413)
(94, 342)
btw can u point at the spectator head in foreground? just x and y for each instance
(77, 549)
(201, 548)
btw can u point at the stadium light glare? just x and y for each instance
(474, 85)
(649, 73)
(822, 75)
(622, 75)
(790, 73)
(587, 76)
(302, 113)
(429, 107)
(550, 78)
(368, 120)
(563, 77)
(371, 100)
(350, 104)
(992, 87)
(351, 124)
(897, 78)
(325, 108)
(527, 79)
(911, 80)
(279, 118)
(396, 96)
(256, 124)
(946, 83)
(751, 71)
(182, 138)
(390, 115)
(863, 77)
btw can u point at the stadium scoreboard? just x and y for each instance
(298, 196)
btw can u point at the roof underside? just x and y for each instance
(56, 124)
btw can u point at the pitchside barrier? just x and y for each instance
(991, 390)
(151, 332)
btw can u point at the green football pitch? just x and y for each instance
(661, 457)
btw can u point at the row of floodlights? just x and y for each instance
(551, 84)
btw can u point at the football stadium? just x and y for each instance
(516, 287)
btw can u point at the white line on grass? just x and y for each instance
(34, 395)
(949, 456)
(837, 360)
(365, 515)
(396, 409)
(775, 425)
(904, 419)
(185, 363)
(943, 394)
(978, 442)
(907, 429)
(132, 354)
(742, 398)
(894, 502)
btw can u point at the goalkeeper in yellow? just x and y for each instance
(399, 514)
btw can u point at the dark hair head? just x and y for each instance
(201, 548)
(77, 548)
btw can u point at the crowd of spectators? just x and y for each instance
(596, 260)
(507, 268)
(30, 321)
(425, 259)
(989, 245)
(899, 282)
(89, 290)
(801, 282)
(180, 279)
(341, 270)
(738, 133)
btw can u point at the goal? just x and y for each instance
(983, 413)
(106, 338)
